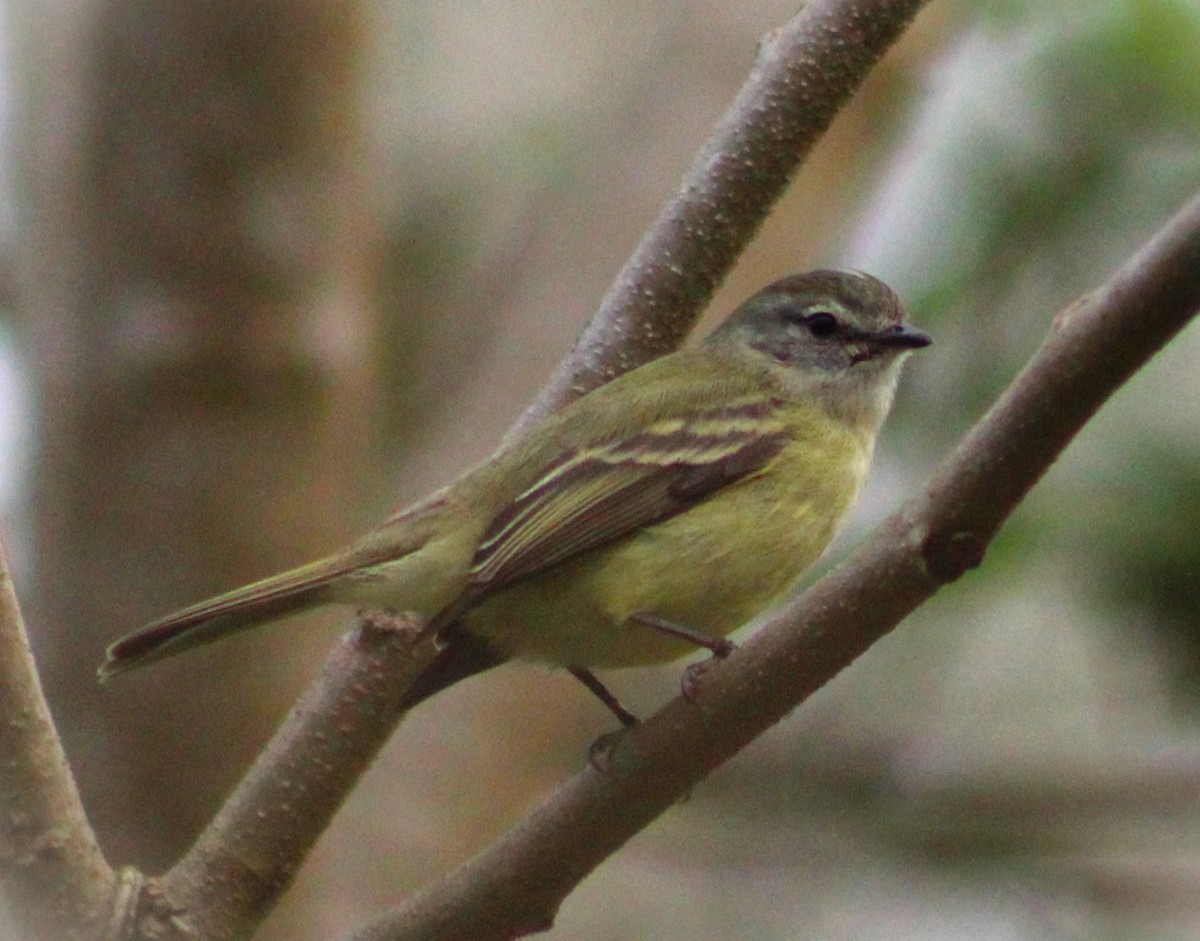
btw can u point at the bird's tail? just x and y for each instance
(226, 614)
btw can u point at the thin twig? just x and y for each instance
(53, 876)
(515, 886)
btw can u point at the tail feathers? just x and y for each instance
(222, 616)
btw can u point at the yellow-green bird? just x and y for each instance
(661, 511)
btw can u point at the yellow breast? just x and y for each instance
(711, 568)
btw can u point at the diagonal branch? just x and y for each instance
(232, 876)
(516, 885)
(806, 72)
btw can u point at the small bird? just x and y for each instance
(657, 513)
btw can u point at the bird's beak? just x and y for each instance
(900, 337)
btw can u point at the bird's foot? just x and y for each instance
(690, 682)
(601, 751)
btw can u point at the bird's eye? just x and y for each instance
(821, 324)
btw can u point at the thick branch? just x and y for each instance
(230, 879)
(806, 72)
(515, 886)
(52, 874)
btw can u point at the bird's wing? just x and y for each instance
(591, 496)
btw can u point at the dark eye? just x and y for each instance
(821, 324)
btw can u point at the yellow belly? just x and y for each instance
(711, 568)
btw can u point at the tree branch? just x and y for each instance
(54, 876)
(515, 886)
(806, 72)
(230, 879)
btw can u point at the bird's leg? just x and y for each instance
(604, 694)
(719, 647)
(600, 754)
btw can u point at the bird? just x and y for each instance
(652, 516)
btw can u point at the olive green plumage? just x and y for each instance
(696, 488)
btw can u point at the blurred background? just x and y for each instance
(270, 269)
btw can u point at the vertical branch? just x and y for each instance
(52, 874)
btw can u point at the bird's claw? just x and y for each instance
(601, 751)
(689, 683)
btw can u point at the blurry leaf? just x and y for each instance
(1143, 541)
